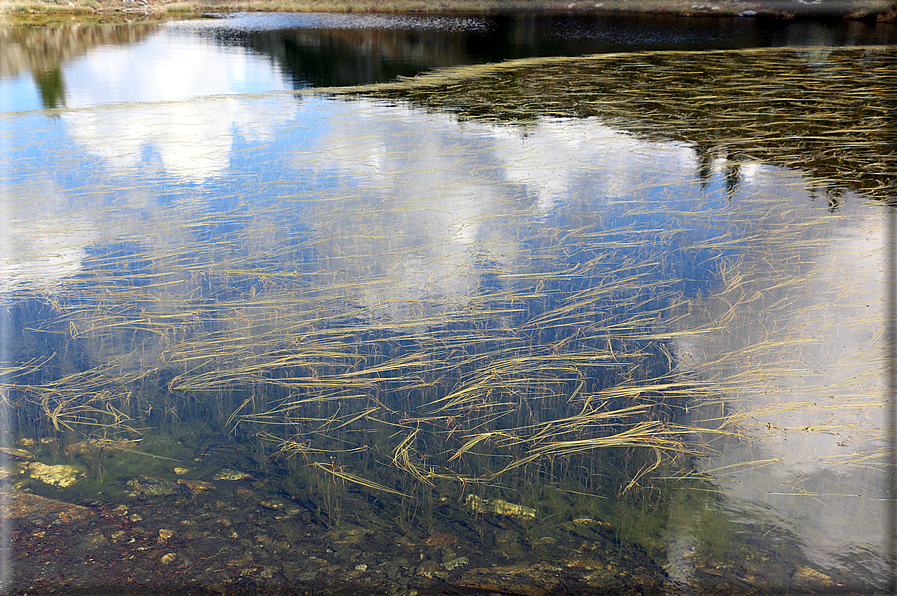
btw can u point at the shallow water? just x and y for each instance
(578, 355)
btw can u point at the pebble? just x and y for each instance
(455, 563)
(227, 474)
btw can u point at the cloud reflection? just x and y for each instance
(42, 242)
(412, 213)
(427, 207)
(425, 204)
(800, 358)
(168, 67)
(192, 139)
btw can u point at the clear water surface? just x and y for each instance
(393, 318)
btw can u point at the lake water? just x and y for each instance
(596, 305)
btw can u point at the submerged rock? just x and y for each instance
(499, 507)
(228, 474)
(196, 486)
(60, 475)
(144, 486)
(10, 453)
(164, 535)
(806, 576)
(456, 563)
(93, 445)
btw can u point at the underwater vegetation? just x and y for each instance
(373, 327)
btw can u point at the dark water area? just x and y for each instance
(339, 50)
(70, 66)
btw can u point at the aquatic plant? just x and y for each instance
(547, 371)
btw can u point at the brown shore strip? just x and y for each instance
(867, 10)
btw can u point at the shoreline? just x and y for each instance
(25, 11)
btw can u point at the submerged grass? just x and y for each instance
(490, 390)
(556, 373)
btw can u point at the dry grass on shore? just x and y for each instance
(881, 10)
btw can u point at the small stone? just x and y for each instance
(197, 485)
(95, 541)
(134, 517)
(227, 474)
(430, 569)
(181, 471)
(441, 540)
(455, 563)
(362, 568)
(808, 575)
(169, 558)
(164, 535)
(150, 487)
(499, 507)
(99, 445)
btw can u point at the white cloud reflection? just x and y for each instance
(42, 241)
(156, 80)
(806, 340)
(165, 67)
(425, 201)
(192, 141)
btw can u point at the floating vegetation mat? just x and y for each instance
(823, 110)
(561, 315)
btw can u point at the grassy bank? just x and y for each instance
(881, 10)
